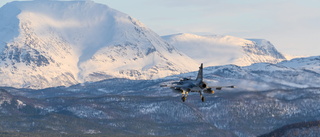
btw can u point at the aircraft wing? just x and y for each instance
(177, 86)
(184, 87)
(210, 91)
(220, 87)
(170, 85)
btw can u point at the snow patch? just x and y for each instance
(20, 104)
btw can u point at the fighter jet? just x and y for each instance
(186, 85)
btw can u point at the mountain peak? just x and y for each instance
(222, 50)
(60, 43)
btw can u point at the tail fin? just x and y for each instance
(200, 73)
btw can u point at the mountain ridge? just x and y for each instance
(57, 44)
(61, 43)
(223, 49)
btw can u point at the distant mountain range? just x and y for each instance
(222, 50)
(77, 68)
(121, 107)
(267, 96)
(61, 43)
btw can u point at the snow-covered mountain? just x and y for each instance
(296, 73)
(141, 108)
(306, 63)
(221, 50)
(267, 96)
(60, 43)
(56, 43)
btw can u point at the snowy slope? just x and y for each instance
(141, 107)
(60, 43)
(282, 95)
(307, 63)
(303, 73)
(222, 50)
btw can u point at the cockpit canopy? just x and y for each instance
(184, 79)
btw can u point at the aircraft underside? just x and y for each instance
(185, 94)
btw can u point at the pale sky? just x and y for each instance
(293, 26)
